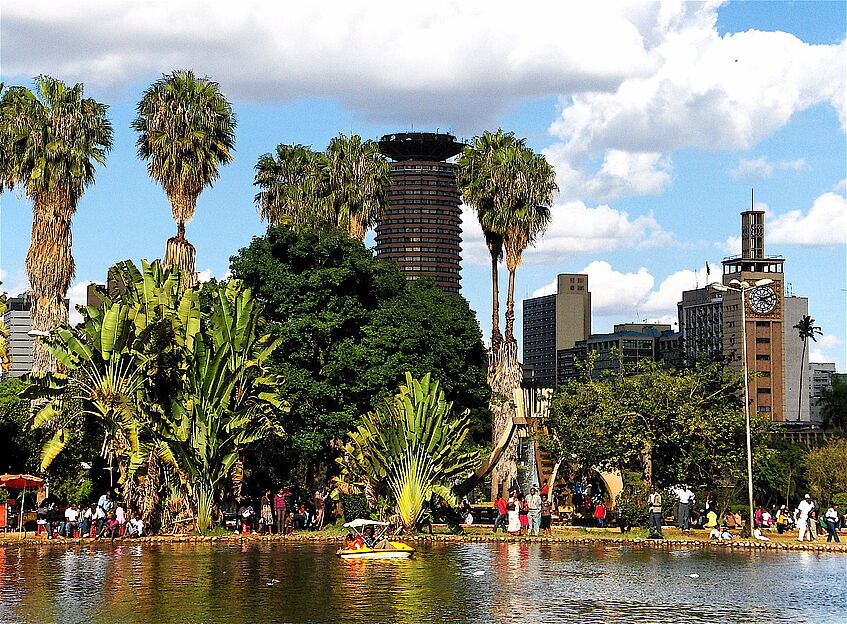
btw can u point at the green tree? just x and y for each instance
(293, 187)
(51, 140)
(672, 426)
(186, 130)
(357, 175)
(413, 446)
(826, 469)
(340, 314)
(806, 329)
(833, 404)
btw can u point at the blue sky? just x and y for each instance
(659, 119)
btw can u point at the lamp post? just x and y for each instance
(743, 288)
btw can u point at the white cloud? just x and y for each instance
(204, 276)
(615, 293)
(840, 186)
(707, 91)
(762, 168)
(575, 228)
(427, 62)
(828, 341)
(78, 295)
(824, 224)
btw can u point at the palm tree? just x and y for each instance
(293, 187)
(186, 131)
(806, 328)
(524, 212)
(481, 183)
(357, 175)
(51, 140)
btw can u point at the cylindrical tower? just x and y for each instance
(421, 229)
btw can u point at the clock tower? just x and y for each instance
(764, 317)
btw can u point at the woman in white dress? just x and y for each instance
(514, 515)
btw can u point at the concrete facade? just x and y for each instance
(553, 323)
(819, 375)
(796, 389)
(17, 320)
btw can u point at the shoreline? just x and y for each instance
(605, 541)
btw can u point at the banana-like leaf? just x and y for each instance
(53, 447)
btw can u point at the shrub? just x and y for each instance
(354, 506)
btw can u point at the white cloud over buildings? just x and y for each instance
(762, 167)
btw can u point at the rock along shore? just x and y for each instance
(636, 542)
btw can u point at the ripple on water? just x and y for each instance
(477, 582)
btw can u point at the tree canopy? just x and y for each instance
(349, 328)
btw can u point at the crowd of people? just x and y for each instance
(281, 512)
(525, 514)
(105, 518)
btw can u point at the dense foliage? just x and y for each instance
(827, 469)
(412, 447)
(349, 327)
(672, 426)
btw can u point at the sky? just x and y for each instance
(658, 117)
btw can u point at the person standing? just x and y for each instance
(546, 515)
(514, 507)
(104, 506)
(523, 513)
(832, 524)
(280, 511)
(803, 510)
(685, 497)
(600, 514)
(120, 516)
(319, 503)
(502, 519)
(266, 514)
(533, 503)
(655, 502)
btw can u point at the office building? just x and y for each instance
(553, 323)
(796, 388)
(17, 321)
(626, 345)
(421, 229)
(820, 376)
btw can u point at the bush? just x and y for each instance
(840, 499)
(632, 507)
(354, 506)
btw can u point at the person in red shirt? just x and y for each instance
(600, 514)
(502, 519)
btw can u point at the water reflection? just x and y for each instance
(499, 582)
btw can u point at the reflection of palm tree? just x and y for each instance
(50, 141)
(186, 130)
(807, 329)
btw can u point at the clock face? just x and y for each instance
(763, 299)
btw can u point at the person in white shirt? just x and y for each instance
(685, 497)
(831, 518)
(120, 516)
(135, 527)
(802, 514)
(70, 523)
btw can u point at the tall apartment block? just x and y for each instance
(17, 320)
(796, 385)
(422, 227)
(553, 323)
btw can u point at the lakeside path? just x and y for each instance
(561, 536)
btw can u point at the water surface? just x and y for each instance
(254, 583)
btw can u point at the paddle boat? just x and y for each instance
(368, 545)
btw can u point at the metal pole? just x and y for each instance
(743, 292)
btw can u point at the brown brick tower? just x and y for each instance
(421, 230)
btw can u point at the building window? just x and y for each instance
(763, 390)
(763, 408)
(765, 373)
(763, 340)
(763, 358)
(763, 323)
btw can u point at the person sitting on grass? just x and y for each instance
(135, 527)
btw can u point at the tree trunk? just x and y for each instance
(204, 495)
(496, 336)
(648, 464)
(356, 230)
(510, 308)
(181, 254)
(800, 385)
(50, 268)
(504, 376)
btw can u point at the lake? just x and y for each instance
(255, 582)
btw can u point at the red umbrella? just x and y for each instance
(20, 482)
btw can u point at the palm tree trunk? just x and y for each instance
(800, 384)
(496, 336)
(50, 268)
(356, 229)
(510, 306)
(181, 254)
(504, 376)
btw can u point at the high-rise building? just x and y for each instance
(17, 320)
(701, 323)
(422, 227)
(796, 388)
(553, 323)
(820, 375)
(764, 313)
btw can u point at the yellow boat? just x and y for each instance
(381, 549)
